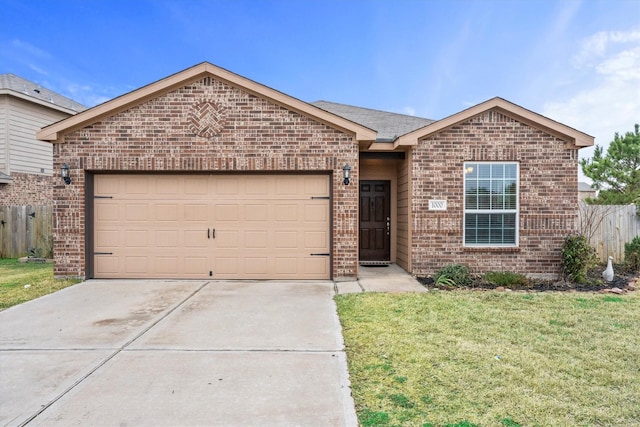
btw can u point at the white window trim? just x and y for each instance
(490, 211)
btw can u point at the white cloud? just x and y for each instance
(30, 49)
(609, 98)
(597, 45)
(624, 65)
(38, 69)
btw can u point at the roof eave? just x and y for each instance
(51, 105)
(579, 139)
(55, 131)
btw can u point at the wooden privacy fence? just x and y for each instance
(23, 228)
(608, 228)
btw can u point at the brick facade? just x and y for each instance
(27, 189)
(205, 125)
(548, 195)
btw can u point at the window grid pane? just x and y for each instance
(490, 187)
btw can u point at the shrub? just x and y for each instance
(577, 258)
(454, 275)
(506, 279)
(632, 253)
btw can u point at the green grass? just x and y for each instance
(20, 282)
(468, 358)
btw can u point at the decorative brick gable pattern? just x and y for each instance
(27, 189)
(204, 126)
(548, 195)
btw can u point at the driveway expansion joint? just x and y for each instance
(110, 357)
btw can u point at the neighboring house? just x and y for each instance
(207, 174)
(585, 191)
(26, 164)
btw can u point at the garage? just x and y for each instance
(219, 226)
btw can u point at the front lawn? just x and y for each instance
(20, 282)
(485, 358)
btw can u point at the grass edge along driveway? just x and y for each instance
(474, 358)
(21, 282)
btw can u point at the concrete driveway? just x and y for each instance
(176, 353)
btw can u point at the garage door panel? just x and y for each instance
(136, 264)
(195, 239)
(108, 239)
(256, 212)
(266, 227)
(286, 212)
(136, 212)
(255, 265)
(316, 212)
(136, 238)
(229, 212)
(195, 265)
(137, 186)
(107, 266)
(229, 186)
(256, 239)
(256, 186)
(227, 239)
(196, 185)
(286, 239)
(287, 186)
(167, 212)
(167, 238)
(196, 213)
(286, 265)
(316, 185)
(106, 211)
(225, 266)
(316, 266)
(107, 185)
(316, 240)
(167, 265)
(167, 185)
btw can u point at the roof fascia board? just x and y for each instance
(579, 139)
(33, 100)
(53, 132)
(381, 146)
(160, 87)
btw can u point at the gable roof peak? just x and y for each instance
(578, 138)
(55, 131)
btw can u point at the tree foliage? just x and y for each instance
(616, 175)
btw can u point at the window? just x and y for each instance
(491, 204)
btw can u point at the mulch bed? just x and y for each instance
(623, 276)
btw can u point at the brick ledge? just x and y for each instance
(509, 249)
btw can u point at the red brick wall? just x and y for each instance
(27, 189)
(548, 195)
(206, 125)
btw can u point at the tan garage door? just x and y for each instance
(217, 226)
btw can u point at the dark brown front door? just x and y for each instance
(375, 221)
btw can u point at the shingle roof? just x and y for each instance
(583, 186)
(388, 125)
(33, 90)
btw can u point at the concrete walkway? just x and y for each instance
(125, 353)
(389, 278)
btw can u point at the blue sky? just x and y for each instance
(577, 62)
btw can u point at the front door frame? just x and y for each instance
(375, 212)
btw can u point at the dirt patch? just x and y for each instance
(594, 283)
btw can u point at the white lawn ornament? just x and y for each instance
(608, 273)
